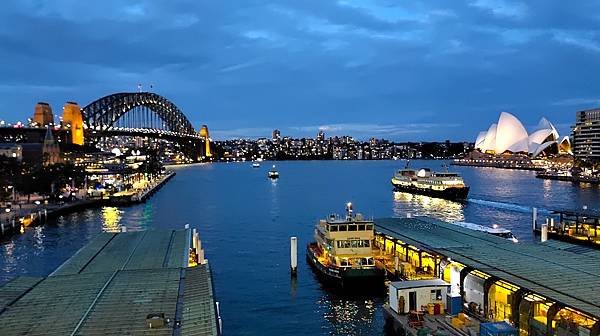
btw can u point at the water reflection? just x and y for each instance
(111, 217)
(420, 205)
(348, 316)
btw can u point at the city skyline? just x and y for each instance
(366, 69)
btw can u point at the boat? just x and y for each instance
(342, 255)
(255, 165)
(494, 230)
(273, 173)
(435, 184)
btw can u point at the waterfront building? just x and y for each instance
(42, 115)
(540, 288)
(586, 135)
(509, 136)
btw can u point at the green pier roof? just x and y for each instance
(560, 271)
(110, 287)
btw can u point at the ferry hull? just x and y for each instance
(451, 193)
(354, 281)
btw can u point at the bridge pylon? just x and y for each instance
(204, 134)
(73, 120)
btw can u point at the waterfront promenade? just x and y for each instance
(24, 214)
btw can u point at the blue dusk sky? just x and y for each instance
(402, 70)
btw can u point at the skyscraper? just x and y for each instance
(586, 135)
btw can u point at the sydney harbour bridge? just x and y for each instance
(143, 114)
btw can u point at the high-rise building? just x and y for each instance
(586, 135)
(321, 136)
(42, 115)
(276, 135)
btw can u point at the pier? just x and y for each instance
(581, 227)
(148, 282)
(541, 288)
(14, 221)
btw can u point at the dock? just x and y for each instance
(581, 227)
(15, 221)
(544, 288)
(131, 283)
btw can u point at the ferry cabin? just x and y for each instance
(424, 179)
(346, 242)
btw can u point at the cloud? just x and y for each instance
(393, 67)
(502, 8)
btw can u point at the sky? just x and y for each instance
(401, 70)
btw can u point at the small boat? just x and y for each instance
(255, 165)
(494, 230)
(273, 173)
(342, 255)
(435, 184)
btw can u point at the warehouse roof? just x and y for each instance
(557, 271)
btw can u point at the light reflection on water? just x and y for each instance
(421, 205)
(348, 316)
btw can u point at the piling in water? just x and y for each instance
(544, 235)
(534, 219)
(294, 255)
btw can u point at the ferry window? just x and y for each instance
(340, 243)
(361, 227)
(369, 227)
(354, 243)
(346, 243)
(352, 227)
(343, 228)
(366, 243)
(344, 262)
(333, 228)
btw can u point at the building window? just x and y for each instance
(436, 294)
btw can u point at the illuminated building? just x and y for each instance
(586, 135)
(73, 120)
(508, 135)
(204, 134)
(42, 115)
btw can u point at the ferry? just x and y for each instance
(494, 230)
(273, 173)
(343, 253)
(435, 184)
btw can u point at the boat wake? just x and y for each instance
(507, 206)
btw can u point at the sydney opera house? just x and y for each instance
(508, 137)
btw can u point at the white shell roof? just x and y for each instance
(509, 134)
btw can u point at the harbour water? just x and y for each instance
(245, 221)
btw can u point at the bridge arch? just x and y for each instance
(104, 113)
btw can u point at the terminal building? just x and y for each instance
(548, 288)
(586, 135)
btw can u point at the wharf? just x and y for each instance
(13, 222)
(140, 195)
(474, 163)
(133, 283)
(545, 286)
